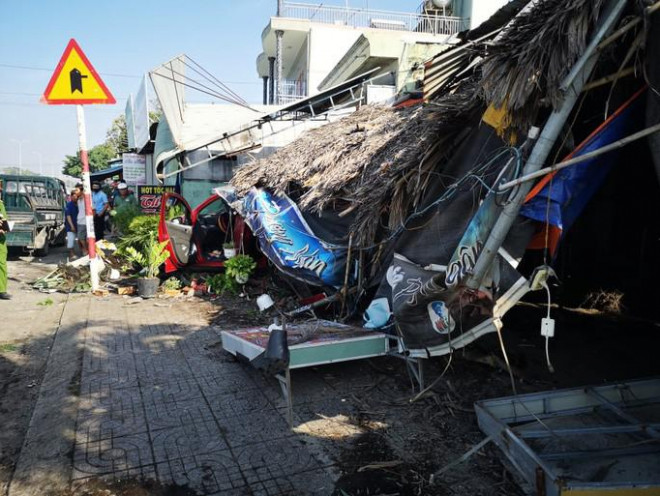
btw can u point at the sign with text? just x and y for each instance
(135, 168)
(75, 82)
(150, 197)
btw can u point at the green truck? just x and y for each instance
(36, 206)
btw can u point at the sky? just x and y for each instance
(123, 40)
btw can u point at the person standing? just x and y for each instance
(70, 223)
(3, 252)
(125, 197)
(81, 222)
(100, 206)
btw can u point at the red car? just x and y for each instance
(198, 237)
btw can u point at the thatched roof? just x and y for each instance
(374, 159)
(527, 63)
(380, 159)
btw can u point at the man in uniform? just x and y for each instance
(3, 251)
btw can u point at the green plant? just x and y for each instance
(240, 267)
(221, 284)
(8, 347)
(141, 231)
(124, 216)
(151, 258)
(45, 303)
(172, 283)
(175, 211)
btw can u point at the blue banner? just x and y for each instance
(286, 239)
(562, 200)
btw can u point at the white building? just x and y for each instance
(308, 48)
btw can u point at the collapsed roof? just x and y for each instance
(377, 161)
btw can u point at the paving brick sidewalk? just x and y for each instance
(155, 402)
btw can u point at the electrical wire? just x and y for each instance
(472, 178)
(551, 369)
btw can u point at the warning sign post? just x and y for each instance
(75, 82)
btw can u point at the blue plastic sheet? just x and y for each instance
(571, 188)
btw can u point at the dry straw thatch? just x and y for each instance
(375, 159)
(380, 159)
(527, 63)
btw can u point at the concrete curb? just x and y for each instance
(45, 462)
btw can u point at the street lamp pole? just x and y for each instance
(20, 153)
(41, 167)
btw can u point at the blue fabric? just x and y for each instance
(571, 188)
(72, 211)
(99, 199)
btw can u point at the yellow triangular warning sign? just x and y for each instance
(75, 81)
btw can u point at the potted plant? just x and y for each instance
(240, 268)
(229, 250)
(150, 259)
(172, 287)
(228, 247)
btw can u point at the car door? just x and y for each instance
(176, 226)
(210, 220)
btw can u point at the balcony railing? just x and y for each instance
(292, 91)
(360, 18)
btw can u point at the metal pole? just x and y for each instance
(278, 66)
(592, 48)
(20, 153)
(41, 168)
(578, 77)
(271, 82)
(265, 90)
(582, 158)
(87, 188)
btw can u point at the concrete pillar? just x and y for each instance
(280, 4)
(271, 70)
(265, 98)
(278, 65)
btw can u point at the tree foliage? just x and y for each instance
(98, 160)
(117, 135)
(116, 143)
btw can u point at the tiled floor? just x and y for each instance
(156, 404)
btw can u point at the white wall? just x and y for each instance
(327, 46)
(480, 10)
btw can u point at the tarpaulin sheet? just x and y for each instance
(423, 291)
(563, 198)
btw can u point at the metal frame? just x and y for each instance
(349, 93)
(287, 392)
(512, 421)
(415, 366)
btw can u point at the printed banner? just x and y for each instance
(424, 291)
(134, 168)
(149, 197)
(287, 240)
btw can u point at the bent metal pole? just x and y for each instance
(87, 188)
(578, 76)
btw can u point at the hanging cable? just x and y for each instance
(220, 83)
(548, 335)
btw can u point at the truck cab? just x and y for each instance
(36, 205)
